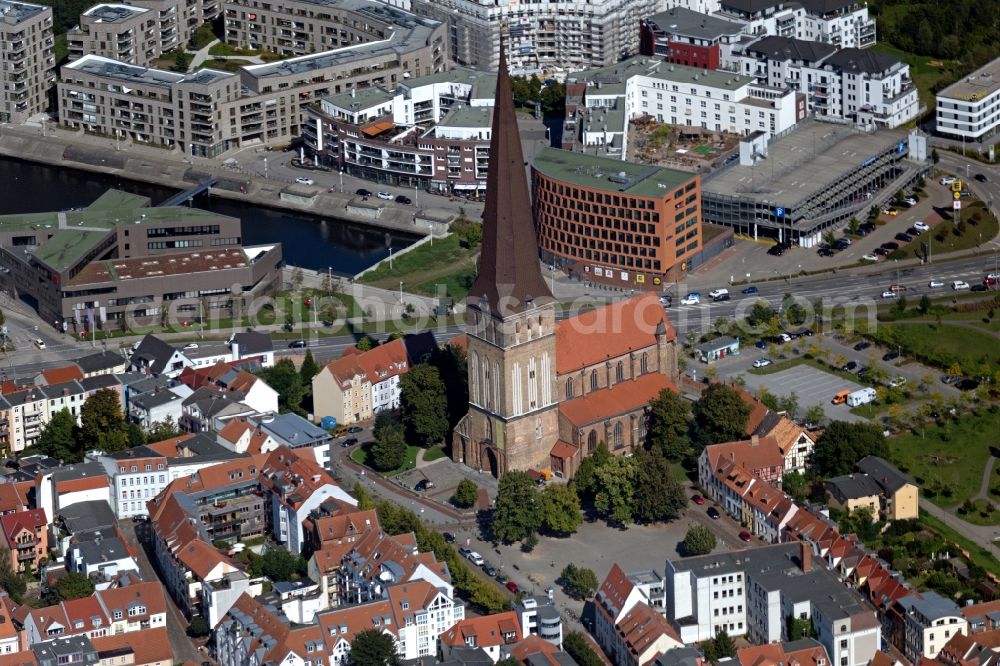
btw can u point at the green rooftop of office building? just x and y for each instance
(610, 175)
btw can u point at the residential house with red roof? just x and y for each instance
(25, 535)
(804, 652)
(358, 385)
(377, 561)
(624, 625)
(57, 488)
(233, 377)
(10, 637)
(976, 649)
(494, 634)
(249, 633)
(148, 648)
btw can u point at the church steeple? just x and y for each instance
(509, 280)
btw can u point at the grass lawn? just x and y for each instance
(924, 74)
(984, 512)
(360, 456)
(60, 48)
(943, 237)
(441, 262)
(947, 461)
(224, 65)
(941, 346)
(435, 453)
(979, 555)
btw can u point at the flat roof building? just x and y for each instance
(27, 63)
(970, 108)
(120, 32)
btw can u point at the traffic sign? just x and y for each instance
(956, 195)
(956, 204)
(956, 186)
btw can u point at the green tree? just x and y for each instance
(280, 565)
(466, 494)
(615, 498)
(789, 404)
(161, 430)
(760, 314)
(658, 495)
(577, 647)
(181, 60)
(719, 648)
(815, 415)
(853, 225)
(284, 378)
(799, 628)
(59, 438)
(366, 343)
(452, 365)
(934, 156)
(12, 582)
(309, 369)
(699, 540)
(198, 628)
(669, 416)
(720, 415)
(579, 582)
(516, 513)
(585, 479)
(422, 403)
(843, 444)
(102, 424)
(73, 585)
(365, 500)
(388, 451)
(798, 485)
(924, 305)
(560, 507)
(372, 647)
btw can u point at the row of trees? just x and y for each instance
(521, 511)
(680, 432)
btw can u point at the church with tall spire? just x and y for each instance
(542, 393)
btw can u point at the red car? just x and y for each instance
(512, 586)
(745, 536)
(698, 499)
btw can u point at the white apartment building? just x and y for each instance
(841, 23)
(27, 64)
(137, 475)
(930, 622)
(678, 95)
(752, 593)
(970, 108)
(540, 35)
(868, 88)
(119, 32)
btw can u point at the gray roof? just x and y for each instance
(293, 430)
(50, 651)
(682, 656)
(931, 605)
(204, 446)
(105, 360)
(252, 342)
(104, 549)
(155, 399)
(853, 486)
(78, 471)
(689, 23)
(884, 473)
(18, 11)
(721, 342)
(154, 352)
(52, 391)
(98, 382)
(85, 517)
(778, 557)
(784, 48)
(820, 587)
(863, 61)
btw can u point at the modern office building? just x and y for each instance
(816, 177)
(27, 64)
(208, 112)
(687, 37)
(599, 217)
(970, 109)
(868, 88)
(540, 35)
(663, 92)
(119, 258)
(120, 32)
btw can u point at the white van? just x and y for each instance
(948, 180)
(861, 397)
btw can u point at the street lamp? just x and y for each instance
(416, 195)
(390, 258)
(400, 293)
(341, 180)
(265, 168)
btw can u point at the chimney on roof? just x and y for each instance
(805, 556)
(754, 440)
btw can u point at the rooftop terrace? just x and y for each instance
(608, 174)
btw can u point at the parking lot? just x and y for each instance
(811, 386)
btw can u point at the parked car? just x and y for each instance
(490, 570)
(948, 180)
(387, 196)
(804, 333)
(850, 366)
(960, 285)
(966, 384)
(760, 344)
(512, 586)
(778, 249)
(475, 558)
(824, 252)
(698, 499)
(910, 201)
(464, 552)
(349, 442)
(913, 231)
(501, 578)
(870, 257)
(423, 484)
(298, 344)
(191, 345)
(448, 537)
(355, 428)
(401, 199)
(980, 287)
(880, 252)
(302, 180)
(922, 226)
(861, 346)
(363, 192)
(949, 379)
(745, 536)
(762, 363)
(903, 238)
(897, 382)
(750, 290)
(713, 513)
(890, 356)
(891, 246)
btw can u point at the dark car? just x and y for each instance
(354, 429)
(979, 287)
(880, 251)
(777, 250)
(298, 344)
(423, 484)
(489, 569)
(402, 199)
(713, 513)
(862, 371)
(512, 586)
(501, 578)
(913, 231)
(850, 366)
(824, 252)
(903, 238)
(363, 192)
(448, 537)
(980, 177)
(804, 333)
(349, 442)
(966, 384)
(949, 379)
(868, 226)
(749, 290)
(721, 297)
(841, 244)
(760, 344)
(861, 346)
(890, 356)
(891, 246)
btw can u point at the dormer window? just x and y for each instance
(118, 614)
